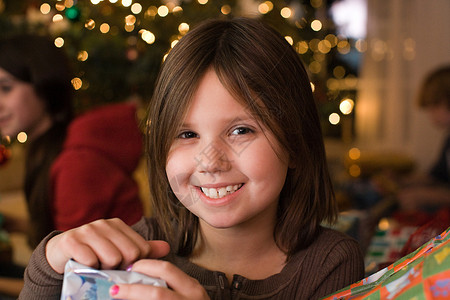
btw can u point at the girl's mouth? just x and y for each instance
(221, 192)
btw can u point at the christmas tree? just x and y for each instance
(117, 47)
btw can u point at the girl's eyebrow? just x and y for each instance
(244, 118)
(6, 79)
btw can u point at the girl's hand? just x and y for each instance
(102, 244)
(181, 285)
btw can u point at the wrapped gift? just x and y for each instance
(85, 283)
(422, 274)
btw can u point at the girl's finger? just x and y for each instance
(140, 291)
(176, 279)
(60, 249)
(130, 245)
(104, 244)
(95, 236)
(158, 249)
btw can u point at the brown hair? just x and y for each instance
(257, 66)
(435, 89)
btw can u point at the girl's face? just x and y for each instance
(20, 108)
(223, 166)
(440, 115)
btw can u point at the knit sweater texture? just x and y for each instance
(330, 263)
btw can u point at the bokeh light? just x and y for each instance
(354, 153)
(346, 106)
(334, 118)
(22, 137)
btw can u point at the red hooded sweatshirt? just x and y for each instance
(92, 178)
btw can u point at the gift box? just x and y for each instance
(85, 283)
(422, 274)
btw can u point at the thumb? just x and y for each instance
(158, 249)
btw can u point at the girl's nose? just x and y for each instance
(212, 159)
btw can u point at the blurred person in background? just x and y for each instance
(424, 198)
(77, 169)
(431, 191)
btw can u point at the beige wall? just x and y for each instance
(406, 39)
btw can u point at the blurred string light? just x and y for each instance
(316, 48)
(302, 47)
(77, 83)
(265, 7)
(286, 12)
(178, 9)
(59, 42)
(334, 118)
(343, 47)
(147, 36)
(316, 25)
(57, 18)
(22, 137)
(82, 55)
(346, 106)
(384, 224)
(354, 170)
(127, 3)
(225, 9)
(289, 39)
(89, 24)
(45, 8)
(130, 20)
(354, 154)
(183, 28)
(339, 72)
(104, 28)
(324, 46)
(59, 6)
(163, 11)
(136, 8)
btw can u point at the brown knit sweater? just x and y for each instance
(330, 263)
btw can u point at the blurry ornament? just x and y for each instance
(5, 154)
(73, 13)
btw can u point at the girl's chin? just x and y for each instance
(217, 224)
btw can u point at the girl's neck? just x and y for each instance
(243, 250)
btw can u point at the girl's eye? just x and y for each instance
(241, 130)
(187, 135)
(5, 88)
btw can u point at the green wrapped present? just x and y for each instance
(422, 274)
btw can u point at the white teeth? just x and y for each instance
(212, 193)
(220, 192)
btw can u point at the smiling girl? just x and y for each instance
(239, 180)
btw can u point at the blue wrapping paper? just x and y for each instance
(85, 283)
